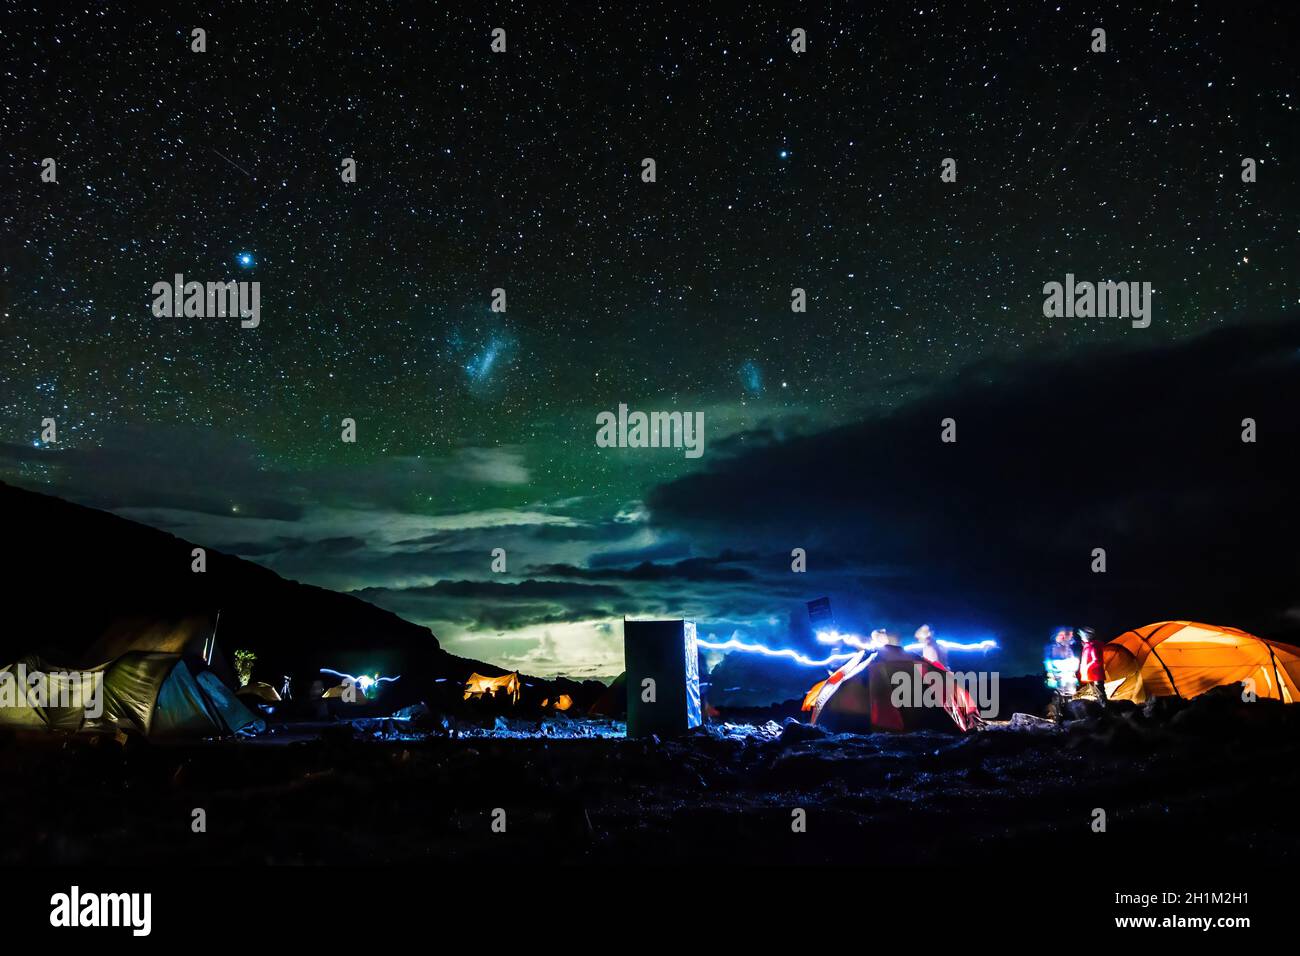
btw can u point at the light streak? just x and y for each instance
(986, 645)
(853, 640)
(735, 645)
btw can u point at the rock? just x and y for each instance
(1200, 720)
(1122, 708)
(1161, 709)
(1030, 722)
(1085, 726)
(1123, 736)
(735, 733)
(794, 732)
(1082, 708)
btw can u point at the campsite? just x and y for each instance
(367, 768)
(858, 441)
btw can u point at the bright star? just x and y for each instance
(245, 259)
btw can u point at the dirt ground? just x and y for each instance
(1211, 788)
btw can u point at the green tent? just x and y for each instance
(156, 682)
(147, 693)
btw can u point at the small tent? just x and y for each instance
(866, 695)
(1185, 658)
(357, 695)
(259, 692)
(478, 685)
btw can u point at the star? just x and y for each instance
(246, 260)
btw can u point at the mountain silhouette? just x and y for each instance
(75, 571)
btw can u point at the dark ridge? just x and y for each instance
(76, 569)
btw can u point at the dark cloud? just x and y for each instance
(344, 544)
(603, 531)
(689, 569)
(499, 605)
(558, 532)
(504, 590)
(667, 549)
(260, 549)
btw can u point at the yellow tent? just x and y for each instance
(478, 685)
(340, 692)
(1187, 659)
(261, 690)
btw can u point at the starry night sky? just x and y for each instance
(521, 170)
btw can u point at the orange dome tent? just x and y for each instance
(1184, 658)
(860, 697)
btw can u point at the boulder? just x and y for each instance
(794, 732)
(1030, 722)
(1083, 708)
(1161, 709)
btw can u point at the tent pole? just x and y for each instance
(212, 646)
(1276, 676)
(1168, 672)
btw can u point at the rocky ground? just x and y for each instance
(1216, 779)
